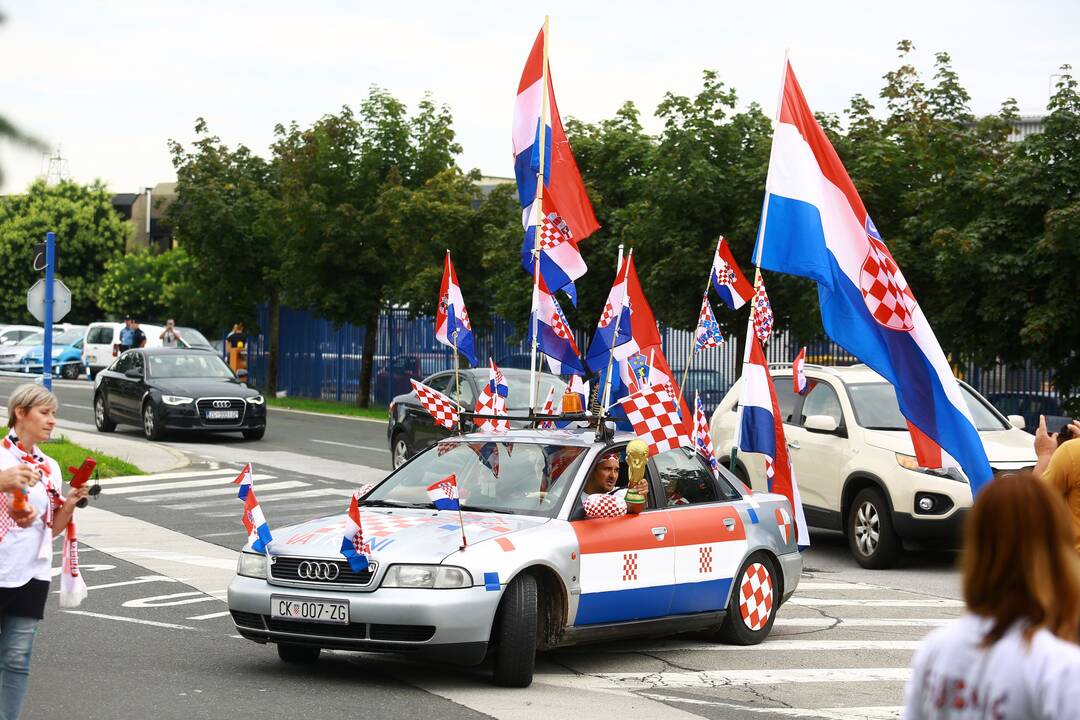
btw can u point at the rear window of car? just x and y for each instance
(101, 335)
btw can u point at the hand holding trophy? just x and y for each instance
(637, 454)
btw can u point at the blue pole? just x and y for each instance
(50, 274)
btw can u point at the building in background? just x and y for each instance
(158, 237)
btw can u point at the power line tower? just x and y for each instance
(55, 168)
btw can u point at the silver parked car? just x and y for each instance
(533, 573)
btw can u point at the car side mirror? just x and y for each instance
(821, 424)
(1017, 421)
(133, 373)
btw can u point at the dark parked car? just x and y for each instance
(1028, 404)
(165, 389)
(411, 428)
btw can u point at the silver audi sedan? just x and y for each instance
(520, 568)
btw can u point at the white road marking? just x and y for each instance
(209, 616)
(875, 712)
(210, 492)
(80, 407)
(263, 499)
(782, 645)
(351, 445)
(204, 482)
(186, 598)
(122, 479)
(727, 678)
(82, 568)
(153, 623)
(220, 534)
(855, 602)
(134, 555)
(826, 585)
(138, 581)
(862, 622)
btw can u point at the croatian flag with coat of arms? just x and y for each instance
(444, 493)
(492, 400)
(244, 481)
(353, 547)
(452, 326)
(554, 338)
(255, 523)
(815, 225)
(730, 284)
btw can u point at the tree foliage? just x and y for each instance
(156, 287)
(88, 233)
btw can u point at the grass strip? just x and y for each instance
(68, 454)
(328, 407)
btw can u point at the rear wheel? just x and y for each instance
(71, 371)
(754, 600)
(515, 635)
(152, 428)
(298, 654)
(101, 415)
(871, 536)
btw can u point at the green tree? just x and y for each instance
(88, 232)
(338, 258)
(227, 219)
(156, 287)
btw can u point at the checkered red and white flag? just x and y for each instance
(652, 412)
(445, 411)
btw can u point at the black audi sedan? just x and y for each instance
(165, 389)
(412, 428)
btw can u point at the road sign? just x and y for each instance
(35, 300)
(39, 256)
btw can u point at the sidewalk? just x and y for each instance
(148, 457)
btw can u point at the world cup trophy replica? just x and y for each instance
(637, 454)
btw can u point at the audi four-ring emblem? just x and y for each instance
(312, 570)
(222, 403)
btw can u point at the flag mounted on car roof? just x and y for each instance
(566, 216)
(730, 284)
(815, 225)
(554, 338)
(452, 326)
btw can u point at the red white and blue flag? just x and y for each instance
(798, 374)
(728, 281)
(816, 226)
(760, 429)
(255, 523)
(492, 400)
(707, 334)
(244, 481)
(701, 438)
(564, 195)
(452, 327)
(444, 493)
(549, 409)
(762, 311)
(554, 338)
(353, 547)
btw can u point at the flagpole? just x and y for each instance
(537, 220)
(461, 518)
(614, 337)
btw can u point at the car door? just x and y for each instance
(424, 429)
(129, 390)
(819, 457)
(709, 534)
(110, 386)
(627, 569)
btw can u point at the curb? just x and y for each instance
(130, 450)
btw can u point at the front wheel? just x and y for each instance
(152, 428)
(515, 635)
(254, 433)
(101, 415)
(70, 371)
(298, 654)
(400, 449)
(871, 535)
(754, 600)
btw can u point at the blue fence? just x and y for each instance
(318, 359)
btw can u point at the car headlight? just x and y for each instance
(175, 399)
(57, 353)
(251, 565)
(257, 400)
(439, 577)
(910, 462)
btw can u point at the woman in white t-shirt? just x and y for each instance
(1015, 654)
(26, 537)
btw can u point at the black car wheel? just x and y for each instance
(71, 371)
(873, 541)
(152, 428)
(299, 654)
(754, 600)
(515, 634)
(101, 415)
(254, 433)
(400, 449)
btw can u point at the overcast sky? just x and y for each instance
(110, 81)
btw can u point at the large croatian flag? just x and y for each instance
(815, 225)
(760, 429)
(567, 216)
(452, 326)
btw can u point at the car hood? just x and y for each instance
(38, 350)
(1003, 447)
(398, 536)
(203, 387)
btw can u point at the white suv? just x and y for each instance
(855, 463)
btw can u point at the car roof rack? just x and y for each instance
(534, 418)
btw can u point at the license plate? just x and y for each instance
(222, 414)
(309, 609)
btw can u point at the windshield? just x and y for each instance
(36, 339)
(193, 337)
(876, 408)
(68, 338)
(182, 365)
(516, 478)
(517, 387)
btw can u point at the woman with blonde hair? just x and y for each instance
(1015, 653)
(26, 539)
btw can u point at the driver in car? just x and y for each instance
(602, 481)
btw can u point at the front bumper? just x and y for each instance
(187, 417)
(946, 531)
(445, 625)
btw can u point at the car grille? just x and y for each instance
(287, 569)
(206, 404)
(353, 631)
